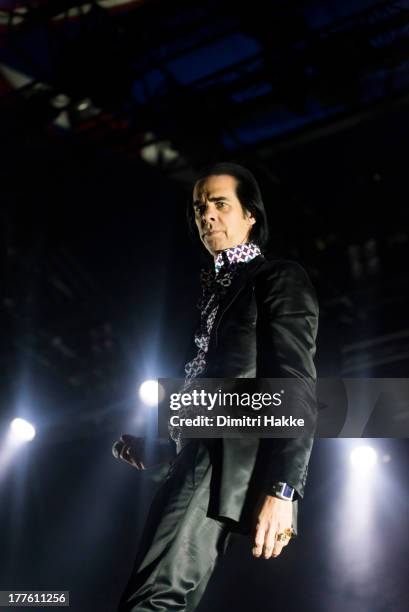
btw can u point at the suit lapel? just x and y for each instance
(238, 283)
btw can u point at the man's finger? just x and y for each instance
(269, 542)
(278, 547)
(258, 540)
(279, 544)
(126, 455)
(124, 452)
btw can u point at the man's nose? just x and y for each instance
(209, 214)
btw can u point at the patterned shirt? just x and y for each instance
(215, 283)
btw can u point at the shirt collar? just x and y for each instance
(242, 253)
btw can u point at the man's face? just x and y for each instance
(220, 219)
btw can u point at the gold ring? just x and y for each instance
(287, 533)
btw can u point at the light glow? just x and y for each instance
(363, 457)
(150, 392)
(21, 430)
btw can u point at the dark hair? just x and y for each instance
(248, 192)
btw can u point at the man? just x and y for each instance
(258, 318)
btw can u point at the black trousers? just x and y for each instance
(180, 545)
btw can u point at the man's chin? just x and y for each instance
(215, 245)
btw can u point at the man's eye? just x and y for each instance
(199, 210)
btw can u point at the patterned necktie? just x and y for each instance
(215, 283)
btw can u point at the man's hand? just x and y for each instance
(275, 515)
(132, 451)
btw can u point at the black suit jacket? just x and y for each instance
(266, 327)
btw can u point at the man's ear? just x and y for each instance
(250, 217)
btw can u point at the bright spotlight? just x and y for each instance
(363, 457)
(150, 391)
(21, 430)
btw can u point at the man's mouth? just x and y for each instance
(211, 232)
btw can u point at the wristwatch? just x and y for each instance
(283, 491)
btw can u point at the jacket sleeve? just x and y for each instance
(287, 327)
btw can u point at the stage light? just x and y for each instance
(354, 545)
(60, 101)
(150, 392)
(363, 457)
(21, 430)
(18, 433)
(84, 104)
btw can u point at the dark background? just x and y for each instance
(107, 111)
